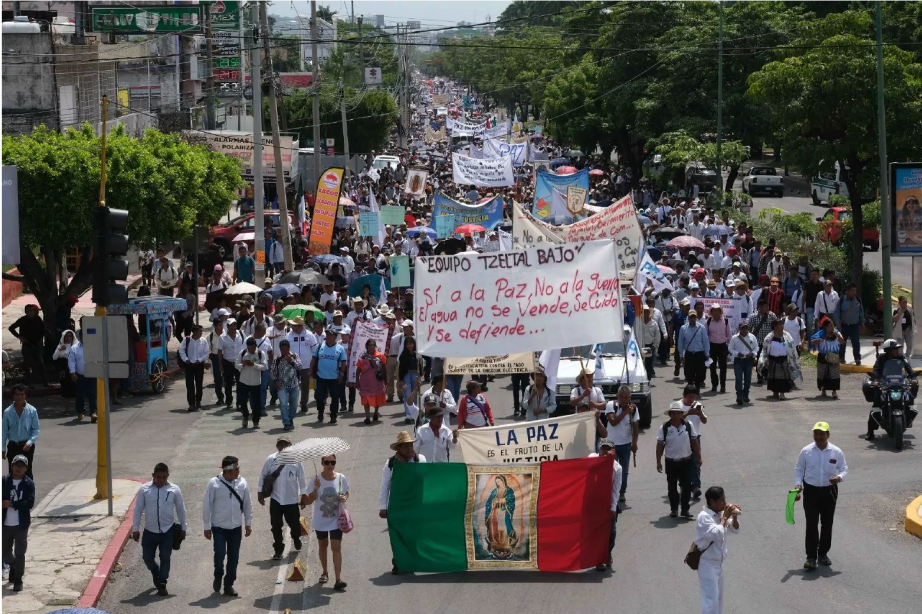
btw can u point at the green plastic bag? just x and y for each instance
(789, 512)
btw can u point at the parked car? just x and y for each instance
(705, 178)
(222, 236)
(613, 374)
(763, 179)
(831, 228)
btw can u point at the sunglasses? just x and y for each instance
(331, 463)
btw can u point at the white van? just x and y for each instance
(461, 139)
(829, 183)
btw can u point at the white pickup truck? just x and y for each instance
(763, 179)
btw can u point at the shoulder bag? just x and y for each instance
(693, 557)
(345, 518)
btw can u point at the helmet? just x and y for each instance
(890, 344)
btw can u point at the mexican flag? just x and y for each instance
(551, 516)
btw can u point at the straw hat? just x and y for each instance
(402, 438)
(298, 321)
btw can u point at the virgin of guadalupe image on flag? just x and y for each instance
(501, 518)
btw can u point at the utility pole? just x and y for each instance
(361, 49)
(258, 187)
(885, 220)
(284, 225)
(401, 83)
(241, 101)
(315, 92)
(720, 93)
(342, 110)
(209, 82)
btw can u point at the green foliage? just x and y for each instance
(796, 235)
(346, 60)
(370, 116)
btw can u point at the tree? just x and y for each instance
(166, 185)
(325, 13)
(825, 98)
(679, 148)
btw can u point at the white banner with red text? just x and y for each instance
(530, 442)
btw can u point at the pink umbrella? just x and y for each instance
(665, 269)
(345, 202)
(566, 170)
(465, 229)
(597, 172)
(686, 241)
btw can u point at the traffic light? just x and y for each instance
(110, 247)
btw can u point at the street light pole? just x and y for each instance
(720, 93)
(884, 200)
(258, 186)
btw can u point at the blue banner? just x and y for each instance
(546, 182)
(489, 214)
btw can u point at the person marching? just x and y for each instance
(332, 490)
(714, 522)
(694, 415)
(404, 452)
(819, 469)
(156, 501)
(227, 497)
(743, 349)
(18, 500)
(194, 351)
(694, 350)
(607, 448)
(677, 439)
(621, 420)
(435, 439)
(286, 487)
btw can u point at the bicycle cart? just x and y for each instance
(149, 355)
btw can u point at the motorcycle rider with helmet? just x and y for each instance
(891, 351)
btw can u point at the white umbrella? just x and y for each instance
(242, 287)
(313, 448)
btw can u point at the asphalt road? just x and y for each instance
(750, 451)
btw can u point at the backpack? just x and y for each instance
(391, 460)
(666, 430)
(185, 343)
(269, 482)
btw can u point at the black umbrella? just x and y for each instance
(304, 277)
(450, 247)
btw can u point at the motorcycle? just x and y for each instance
(897, 394)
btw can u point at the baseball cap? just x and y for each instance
(606, 443)
(408, 322)
(284, 438)
(20, 458)
(819, 426)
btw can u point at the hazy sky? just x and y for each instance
(432, 13)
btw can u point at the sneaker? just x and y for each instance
(746, 400)
(687, 515)
(723, 389)
(673, 514)
(333, 421)
(289, 427)
(824, 560)
(696, 494)
(870, 436)
(739, 401)
(161, 590)
(17, 586)
(367, 420)
(810, 564)
(319, 417)
(229, 404)
(255, 424)
(229, 591)
(216, 585)
(297, 541)
(246, 422)
(191, 408)
(277, 556)
(622, 499)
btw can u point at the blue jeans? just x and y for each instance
(453, 383)
(226, 541)
(150, 543)
(263, 389)
(409, 381)
(218, 377)
(742, 370)
(623, 454)
(808, 321)
(288, 404)
(85, 389)
(851, 332)
(328, 388)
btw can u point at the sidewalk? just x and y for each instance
(869, 356)
(73, 546)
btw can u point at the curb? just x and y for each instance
(855, 368)
(39, 393)
(107, 562)
(913, 523)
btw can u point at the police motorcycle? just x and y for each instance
(892, 392)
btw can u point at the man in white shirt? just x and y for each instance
(584, 391)
(695, 416)
(166, 277)
(826, 302)
(286, 487)
(393, 355)
(303, 343)
(696, 228)
(194, 351)
(819, 469)
(227, 498)
(677, 439)
(607, 448)
(714, 521)
(157, 500)
(446, 400)
(404, 452)
(251, 363)
(621, 421)
(232, 343)
(85, 389)
(435, 440)
(328, 294)
(742, 351)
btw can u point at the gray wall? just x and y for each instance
(28, 83)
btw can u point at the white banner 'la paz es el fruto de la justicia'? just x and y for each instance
(527, 300)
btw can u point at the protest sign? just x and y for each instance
(439, 100)
(517, 301)
(547, 181)
(460, 126)
(496, 132)
(368, 224)
(445, 225)
(492, 173)
(475, 152)
(393, 215)
(618, 221)
(416, 182)
(497, 149)
(576, 198)
(491, 365)
(730, 308)
(527, 231)
(528, 442)
(327, 200)
(488, 214)
(433, 136)
(400, 271)
(361, 332)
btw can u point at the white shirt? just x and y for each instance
(290, 484)
(620, 433)
(793, 327)
(815, 466)
(12, 514)
(326, 507)
(678, 443)
(250, 326)
(694, 420)
(303, 344)
(166, 278)
(263, 343)
(445, 397)
(159, 504)
(221, 508)
(75, 360)
(616, 480)
(232, 346)
(434, 447)
(595, 396)
(251, 375)
(328, 297)
(826, 303)
(385, 493)
(275, 336)
(194, 350)
(709, 532)
(738, 347)
(696, 230)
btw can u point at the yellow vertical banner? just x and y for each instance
(123, 102)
